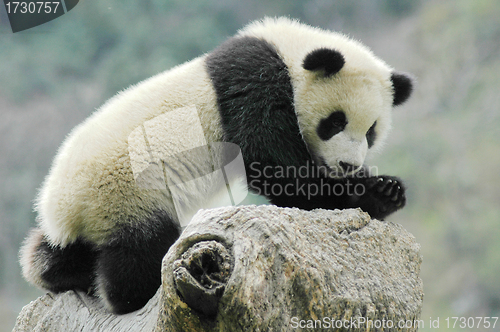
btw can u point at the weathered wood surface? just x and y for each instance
(264, 268)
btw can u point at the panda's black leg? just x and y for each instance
(58, 268)
(129, 266)
(382, 195)
(378, 195)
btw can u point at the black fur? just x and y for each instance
(382, 196)
(324, 59)
(379, 196)
(332, 125)
(128, 266)
(371, 135)
(71, 267)
(255, 98)
(403, 87)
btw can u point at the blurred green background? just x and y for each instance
(445, 142)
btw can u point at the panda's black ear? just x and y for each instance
(324, 59)
(402, 85)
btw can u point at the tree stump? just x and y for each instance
(265, 268)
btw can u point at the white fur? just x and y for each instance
(32, 264)
(91, 187)
(362, 88)
(92, 178)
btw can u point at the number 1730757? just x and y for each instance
(471, 322)
(32, 7)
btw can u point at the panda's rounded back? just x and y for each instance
(90, 187)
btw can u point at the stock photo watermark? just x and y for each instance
(24, 15)
(186, 165)
(296, 187)
(385, 324)
(171, 152)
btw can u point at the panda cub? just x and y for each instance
(287, 96)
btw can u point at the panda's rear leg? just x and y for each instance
(128, 270)
(56, 268)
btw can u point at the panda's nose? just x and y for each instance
(347, 167)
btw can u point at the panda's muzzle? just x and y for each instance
(341, 170)
(348, 169)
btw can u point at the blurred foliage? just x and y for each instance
(447, 145)
(103, 41)
(445, 142)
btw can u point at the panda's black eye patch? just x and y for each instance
(332, 125)
(371, 135)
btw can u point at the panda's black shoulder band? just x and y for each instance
(324, 59)
(256, 102)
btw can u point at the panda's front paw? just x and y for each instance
(390, 189)
(388, 193)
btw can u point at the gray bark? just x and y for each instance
(264, 268)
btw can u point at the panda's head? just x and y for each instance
(344, 103)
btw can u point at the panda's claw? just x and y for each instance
(396, 195)
(389, 193)
(384, 185)
(381, 185)
(389, 189)
(402, 200)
